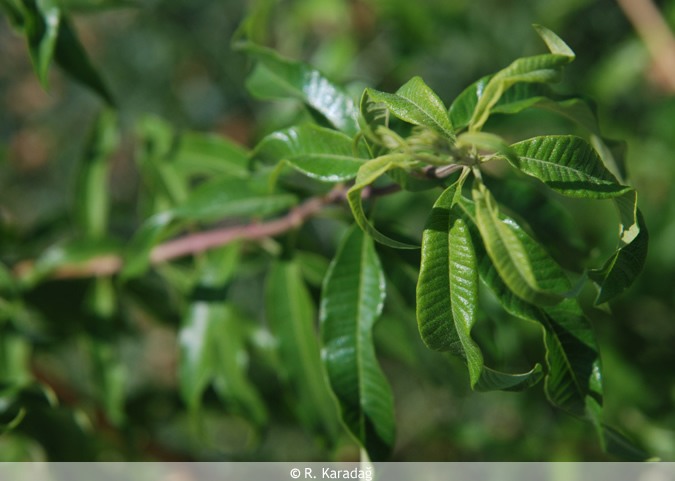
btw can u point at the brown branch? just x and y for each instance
(655, 33)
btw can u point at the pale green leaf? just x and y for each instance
(555, 44)
(417, 104)
(567, 164)
(366, 175)
(447, 290)
(506, 250)
(351, 301)
(315, 151)
(276, 77)
(290, 313)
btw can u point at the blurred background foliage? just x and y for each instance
(172, 58)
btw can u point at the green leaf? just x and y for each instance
(511, 258)
(447, 290)
(613, 442)
(212, 343)
(199, 153)
(212, 201)
(417, 104)
(623, 267)
(351, 301)
(277, 77)
(15, 12)
(110, 376)
(571, 350)
(291, 313)
(154, 156)
(538, 69)
(43, 18)
(567, 164)
(315, 151)
(92, 185)
(491, 380)
(227, 197)
(71, 57)
(366, 175)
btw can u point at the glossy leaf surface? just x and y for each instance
(351, 302)
(315, 151)
(276, 77)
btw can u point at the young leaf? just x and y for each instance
(351, 301)
(507, 252)
(567, 164)
(417, 104)
(538, 69)
(290, 313)
(447, 290)
(276, 77)
(571, 351)
(315, 151)
(366, 175)
(92, 188)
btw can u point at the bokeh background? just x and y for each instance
(172, 58)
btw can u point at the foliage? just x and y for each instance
(243, 251)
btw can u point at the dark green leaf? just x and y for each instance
(417, 104)
(367, 174)
(621, 270)
(571, 350)
(317, 152)
(506, 250)
(351, 301)
(567, 164)
(291, 313)
(92, 186)
(276, 77)
(447, 290)
(71, 57)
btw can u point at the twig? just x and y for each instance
(655, 33)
